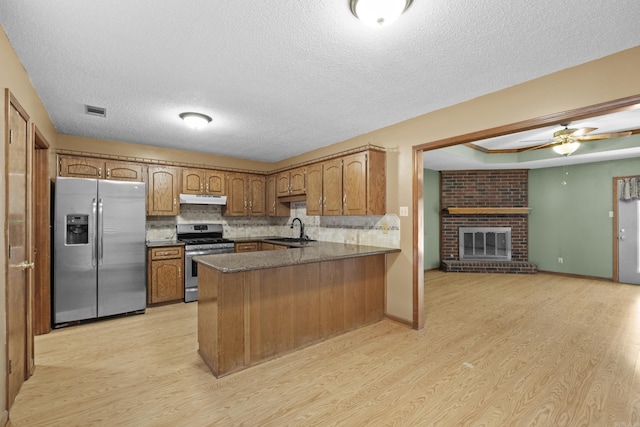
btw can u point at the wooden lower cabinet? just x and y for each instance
(165, 274)
(246, 247)
(265, 246)
(249, 317)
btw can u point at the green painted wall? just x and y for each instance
(431, 219)
(572, 221)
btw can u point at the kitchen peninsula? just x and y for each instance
(256, 306)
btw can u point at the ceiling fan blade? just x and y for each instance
(537, 140)
(538, 147)
(583, 131)
(604, 136)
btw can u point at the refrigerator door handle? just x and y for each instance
(93, 233)
(100, 233)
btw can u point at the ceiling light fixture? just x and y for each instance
(195, 120)
(378, 13)
(566, 139)
(566, 148)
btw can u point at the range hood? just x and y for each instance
(202, 199)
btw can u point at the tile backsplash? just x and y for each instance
(362, 230)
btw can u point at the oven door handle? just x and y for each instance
(189, 253)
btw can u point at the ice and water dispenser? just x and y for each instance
(77, 229)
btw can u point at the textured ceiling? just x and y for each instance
(284, 77)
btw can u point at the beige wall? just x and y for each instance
(13, 77)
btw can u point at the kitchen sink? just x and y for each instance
(291, 240)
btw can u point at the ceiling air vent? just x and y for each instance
(95, 111)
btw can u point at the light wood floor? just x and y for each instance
(498, 350)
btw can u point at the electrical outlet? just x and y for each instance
(560, 260)
(385, 228)
(404, 211)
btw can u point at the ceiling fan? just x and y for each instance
(567, 140)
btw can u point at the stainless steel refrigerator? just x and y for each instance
(99, 249)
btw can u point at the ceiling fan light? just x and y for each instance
(378, 13)
(195, 120)
(566, 148)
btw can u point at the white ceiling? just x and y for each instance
(284, 77)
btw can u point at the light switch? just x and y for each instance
(404, 211)
(610, 214)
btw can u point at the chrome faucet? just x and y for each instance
(302, 236)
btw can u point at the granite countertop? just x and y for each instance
(305, 253)
(163, 242)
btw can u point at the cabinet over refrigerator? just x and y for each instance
(99, 249)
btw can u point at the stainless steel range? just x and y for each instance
(199, 239)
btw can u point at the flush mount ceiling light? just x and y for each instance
(378, 13)
(195, 120)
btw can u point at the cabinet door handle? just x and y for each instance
(174, 202)
(207, 187)
(99, 172)
(179, 271)
(200, 186)
(108, 172)
(344, 200)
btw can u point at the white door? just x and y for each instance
(628, 240)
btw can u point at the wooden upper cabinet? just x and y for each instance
(163, 191)
(124, 171)
(349, 185)
(332, 187)
(192, 181)
(297, 181)
(81, 167)
(292, 182)
(324, 188)
(354, 175)
(246, 195)
(314, 189)
(87, 167)
(282, 184)
(202, 181)
(364, 183)
(256, 192)
(236, 195)
(214, 183)
(273, 206)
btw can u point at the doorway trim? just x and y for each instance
(418, 171)
(41, 192)
(616, 276)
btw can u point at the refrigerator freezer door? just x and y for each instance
(121, 247)
(75, 274)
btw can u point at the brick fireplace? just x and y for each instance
(483, 199)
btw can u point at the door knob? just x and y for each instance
(23, 265)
